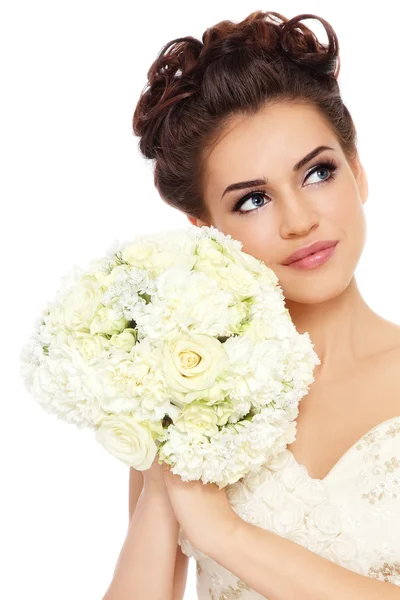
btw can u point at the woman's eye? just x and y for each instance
(318, 171)
(259, 195)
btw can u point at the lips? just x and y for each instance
(307, 250)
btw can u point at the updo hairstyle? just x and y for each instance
(195, 88)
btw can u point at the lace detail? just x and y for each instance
(351, 517)
(388, 572)
(394, 429)
(231, 593)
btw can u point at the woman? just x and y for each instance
(241, 126)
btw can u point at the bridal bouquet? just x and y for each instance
(177, 345)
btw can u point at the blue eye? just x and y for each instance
(329, 165)
(249, 196)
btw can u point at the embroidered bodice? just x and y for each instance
(351, 517)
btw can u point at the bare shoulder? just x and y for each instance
(394, 363)
(388, 373)
(393, 349)
(384, 340)
(380, 371)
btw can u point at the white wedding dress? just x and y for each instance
(351, 517)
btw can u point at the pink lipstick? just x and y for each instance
(312, 256)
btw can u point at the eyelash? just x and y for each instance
(328, 164)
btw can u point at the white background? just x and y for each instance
(72, 181)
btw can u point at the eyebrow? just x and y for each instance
(254, 182)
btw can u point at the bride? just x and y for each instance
(249, 134)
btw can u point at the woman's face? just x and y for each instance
(295, 207)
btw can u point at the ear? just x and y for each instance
(197, 222)
(361, 179)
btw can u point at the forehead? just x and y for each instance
(266, 144)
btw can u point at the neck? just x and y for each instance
(343, 329)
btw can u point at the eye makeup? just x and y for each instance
(329, 164)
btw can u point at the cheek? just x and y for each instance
(348, 218)
(261, 241)
(257, 234)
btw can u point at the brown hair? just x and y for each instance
(195, 87)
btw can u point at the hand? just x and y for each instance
(154, 485)
(202, 510)
(154, 478)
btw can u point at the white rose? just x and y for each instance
(253, 264)
(147, 255)
(198, 416)
(138, 253)
(106, 322)
(124, 340)
(288, 517)
(209, 256)
(229, 244)
(181, 240)
(128, 440)
(81, 304)
(324, 521)
(238, 280)
(216, 395)
(223, 411)
(90, 346)
(191, 365)
(161, 261)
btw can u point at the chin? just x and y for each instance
(316, 289)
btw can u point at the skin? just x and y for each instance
(356, 385)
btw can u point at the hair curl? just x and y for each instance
(195, 87)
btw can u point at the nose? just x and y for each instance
(297, 216)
